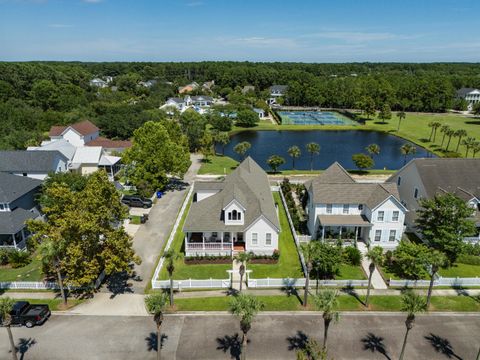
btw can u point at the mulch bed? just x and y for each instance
(207, 261)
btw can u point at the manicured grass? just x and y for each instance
(346, 303)
(218, 165)
(461, 270)
(351, 272)
(31, 272)
(53, 304)
(183, 271)
(289, 263)
(135, 219)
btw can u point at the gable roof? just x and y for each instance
(87, 155)
(464, 91)
(336, 186)
(12, 186)
(83, 128)
(278, 88)
(107, 143)
(34, 161)
(248, 184)
(12, 222)
(458, 176)
(66, 148)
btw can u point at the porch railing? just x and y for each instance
(208, 246)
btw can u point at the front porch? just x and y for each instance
(17, 241)
(349, 228)
(213, 243)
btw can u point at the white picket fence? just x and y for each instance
(156, 283)
(453, 282)
(192, 284)
(300, 282)
(29, 285)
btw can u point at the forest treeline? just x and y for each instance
(36, 95)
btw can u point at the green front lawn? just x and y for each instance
(346, 303)
(461, 270)
(183, 271)
(31, 272)
(350, 272)
(289, 262)
(218, 165)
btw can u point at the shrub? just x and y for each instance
(471, 249)
(18, 258)
(3, 257)
(352, 255)
(276, 254)
(468, 259)
(389, 258)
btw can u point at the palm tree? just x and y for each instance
(242, 148)
(170, 257)
(156, 305)
(435, 126)
(313, 149)
(460, 133)
(444, 129)
(245, 308)
(375, 256)
(49, 252)
(450, 133)
(401, 116)
(373, 149)
(243, 258)
(468, 143)
(407, 149)
(309, 251)
(222, 138)
(327, 302)
(435, 260)
(6, 306)
(412, 304)
(430, 125)
(294, 152)
(476, 148)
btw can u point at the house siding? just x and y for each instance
(388, 207)
(261, 228)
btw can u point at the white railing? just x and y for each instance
(172, 233)
(208, 246)
(300, 282)
(304, 238)
(453, 282)
(29, 285)
(192, 284)
(292, 229)
(472, 239)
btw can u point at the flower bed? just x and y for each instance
(195, 260)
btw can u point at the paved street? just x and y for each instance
(273, 336)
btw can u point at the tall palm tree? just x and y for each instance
(242, 148)
(245, 308)
(309, 252)
(460, 134)
(243, 258)
(6, 306)
(222, 138)
(468, 143)
(50, 252)
(313, 149)
(375, 255)
(476, 148)
(435, 126)
(407, 149)
(430, 125)
(450, 133)
(412, 304)
(170, 257)
(401, 116)
(294, 152)
(373, 149)
(444, 129)
(434, 260)
(156, 304)
(327, 302)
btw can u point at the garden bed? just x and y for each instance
(208, 260)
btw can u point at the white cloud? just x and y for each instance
(358, 36)
(262, 41)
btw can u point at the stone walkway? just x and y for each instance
(236, 275)
(377, 280)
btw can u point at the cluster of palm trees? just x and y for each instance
(275, 161)
(469, 142)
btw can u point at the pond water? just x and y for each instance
(335, 146)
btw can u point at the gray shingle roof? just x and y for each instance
(336, 186)
(352, 220)
(29, 161)
(12, 222)
(278, 89)
(248, 184)
(12, 186)
(464, 91)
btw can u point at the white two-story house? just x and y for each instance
(424, 178)
(237, 214)
(338, 207)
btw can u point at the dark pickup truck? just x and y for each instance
(24, 313)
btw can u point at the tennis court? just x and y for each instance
(314, 118)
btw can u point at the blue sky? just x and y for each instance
(261, 30)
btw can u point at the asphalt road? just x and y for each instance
(272, 337)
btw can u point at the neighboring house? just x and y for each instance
(277, 91)
(424, 178)
(208, 85)
(17, 205)
(77, 134)
(188, 102)
(188, 88)
(340, 207)
(63, 146)
(110, 146)
(91, 158)
(237, 214)
(200, 100)
(247, 88)
(97, 82)
(33, 164)
(148, 83)
(259, 112)
(471, 96)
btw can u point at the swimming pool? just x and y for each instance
(314, 118)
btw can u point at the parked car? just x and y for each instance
(24, 313)
(136, 201)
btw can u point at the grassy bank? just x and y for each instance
(346, 303)
(31, 272)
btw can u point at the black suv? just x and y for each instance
(136, 201)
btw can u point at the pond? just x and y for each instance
(335, 146)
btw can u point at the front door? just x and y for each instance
(238, 242)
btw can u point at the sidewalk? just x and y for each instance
(377, 280)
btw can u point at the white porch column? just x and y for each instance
(203, 241)
(356, 233)
(221, 241)
(323, 233)
(340, 233)
(231, 239)
(186, 242)
(14, 241)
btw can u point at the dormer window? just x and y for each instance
(235, 215)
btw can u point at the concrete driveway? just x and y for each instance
(273, 336)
